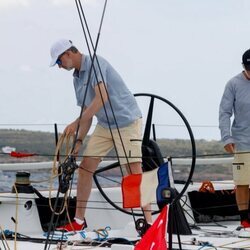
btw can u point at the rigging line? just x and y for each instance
(225, 155)
(65, 203)
(79, 119)
(92, 59)
(198, 213)
(194, 211)
(63, 124)
(4, 240)
(111, 107)
(24, 199)
(90, 206)
(29, 124)
(92, 63)
(95, 58)
(88, 81)
(117, 202)
(99, 175)
(67, 213)
(48, 240)
(91, 67)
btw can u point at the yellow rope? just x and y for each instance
(54, 170)
(54, 174)
(227, 245)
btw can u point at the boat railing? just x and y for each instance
(175, 162)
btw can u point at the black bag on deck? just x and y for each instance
(219, 205)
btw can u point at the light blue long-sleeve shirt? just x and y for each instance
(236, 102)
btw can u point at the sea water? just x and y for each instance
(40, 180)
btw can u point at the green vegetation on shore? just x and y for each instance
(43, 144)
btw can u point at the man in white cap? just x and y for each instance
(108, 98)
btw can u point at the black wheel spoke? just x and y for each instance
(148, 124)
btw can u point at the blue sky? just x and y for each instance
(182, 50)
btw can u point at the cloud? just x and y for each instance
(25, 68)
(69, 2)
(17, 4)
(14, 3)
(61, 2)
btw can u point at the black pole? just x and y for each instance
(170, 227)
(51, 220)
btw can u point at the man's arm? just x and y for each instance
(229, 148)
(99, 100)
(225, 114)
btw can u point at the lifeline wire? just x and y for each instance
(91, 67)
(94, 57)
(82, 108)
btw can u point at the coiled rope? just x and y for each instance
(55, 173)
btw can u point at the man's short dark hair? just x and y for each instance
(247, 67)
(73, 49)
(246, 59)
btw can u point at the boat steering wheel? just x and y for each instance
(151, 152)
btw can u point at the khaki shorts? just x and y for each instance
(241, 168)
(100, 142)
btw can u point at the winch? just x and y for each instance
(22, 183)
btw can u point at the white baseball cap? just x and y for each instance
(58, 48)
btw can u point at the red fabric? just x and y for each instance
(20, 154)
(131, 194)
(154, 238)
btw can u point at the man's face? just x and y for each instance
(65, 61)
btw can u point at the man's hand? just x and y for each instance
(70, 129)
(229, 148)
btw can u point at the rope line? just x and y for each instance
(3, 239)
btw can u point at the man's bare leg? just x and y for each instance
(242, 196)
(84, 184)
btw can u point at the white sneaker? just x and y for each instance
(242, 232)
